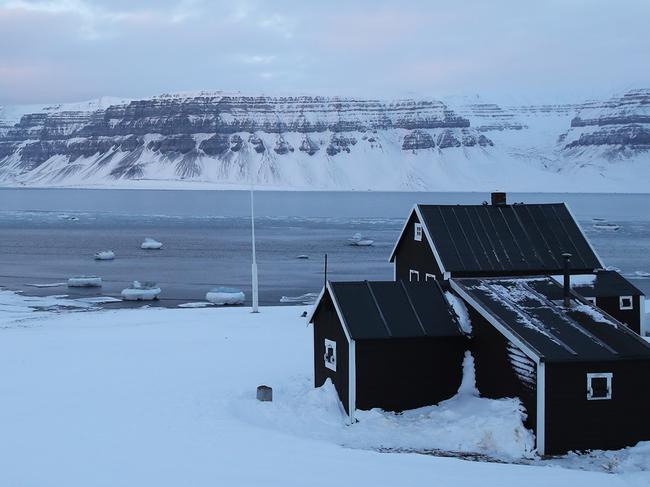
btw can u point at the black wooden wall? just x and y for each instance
(495, 375)
(575, 423)
(407, 373)
(631, 317)
(327, 325)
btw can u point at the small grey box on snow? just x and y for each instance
(264, 393)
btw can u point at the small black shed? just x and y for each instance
(614, 294)
(390, 345)
(583, 376)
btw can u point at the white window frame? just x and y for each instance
(600, 375)
(414, 273)
(620, 302)
(330, 344)
(428, 277)
(592, 300)
(417, 232)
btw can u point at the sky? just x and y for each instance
(73, 50)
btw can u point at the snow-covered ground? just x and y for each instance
(167, 397)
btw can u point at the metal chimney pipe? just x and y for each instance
(567, 279)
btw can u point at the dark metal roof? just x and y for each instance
(381, 310)
(531, 309)
(602, 284)
(521, 238)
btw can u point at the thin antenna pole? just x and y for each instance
(254, 265)
(325, 272)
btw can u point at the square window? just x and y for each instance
(591, 300)
(625, 302)
(418, 232)
(330, 354)
(429, 277)
(599, 386)
(414, 276)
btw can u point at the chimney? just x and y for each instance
(498, 198)
(567, 279)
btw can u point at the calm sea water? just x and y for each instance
(48, 235)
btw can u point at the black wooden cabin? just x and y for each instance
(390, 345)
(583, 377)
(614, 294)
(572, 355)
(454, 241)
(448, 241)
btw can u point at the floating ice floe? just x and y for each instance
(105, 255)
(225, 295)
(307, 298)
(606, 226)
(302, 256)
(53, 284)
(358, 241)
(641, 274)
(197, 304)
(14, 307)
(85, 281)
(141, 291)
(151, 244)
(69, 217)
(99, 300)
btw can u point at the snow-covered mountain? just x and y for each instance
(214, 139)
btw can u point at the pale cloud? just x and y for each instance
(257, 59)
(66, 50)
(97, 21)
(279, 23)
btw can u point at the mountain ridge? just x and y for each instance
(313, 142)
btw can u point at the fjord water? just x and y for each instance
(48, 235)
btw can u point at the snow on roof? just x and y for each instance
(602, 283)
(532, 311)
(461, 311)
(577, 280)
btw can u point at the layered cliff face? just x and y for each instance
(620, 127)
(216, 137)
(320, 142)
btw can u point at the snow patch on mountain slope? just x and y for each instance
(463, 143)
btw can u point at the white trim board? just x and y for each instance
(401, 234)
(430, 240)
(352, 358)
(540, 392)
(643, 325)
(600, 261)
(310, 316)
(352, 380)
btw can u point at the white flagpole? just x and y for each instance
(254, 266)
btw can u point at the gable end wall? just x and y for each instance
(413, 254)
